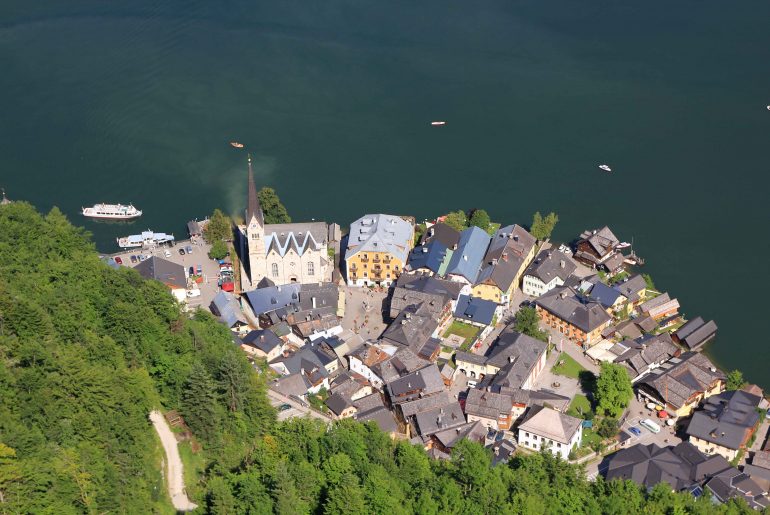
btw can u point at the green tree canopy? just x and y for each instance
(274, 211)
(613, 389)
(542, 228)
(457, 220)
(735, 380)
(527, 322)
(218, 250)
(219, 228)
(479, 218)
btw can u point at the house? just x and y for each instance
(659, 307)
(403, 362)
(420, 383)
(345, 390)
(447, 373)
(286, 253)
(372, 409)
(195, 228)
(343, 345)
(695, 333)
(437, 295)
(683, 467)
(442, 233)
(292, 385)
(262, 343)
(228, 309)
(633, 289)
(170, 274)
(467, 257)
(546, 272)
(444, 441)
(308, 308)
(414, 328)
(609, 298)
(579, 319)
(725, 423)
(734, 484)
(614, 264)
(493, 410)
(510, 251)
(597, 246)
(515, 360)
(440, 418)
(365, 359)
(682, 382)
(647, 353)
(341, 406)
(432, 258)
(313, 356)
(477, 311)
(545, 428)
(377, 249)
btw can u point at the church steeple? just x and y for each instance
(253, 209)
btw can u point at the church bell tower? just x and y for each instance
(255, 233)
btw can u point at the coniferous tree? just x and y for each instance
(199, 402)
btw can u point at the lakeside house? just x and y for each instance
(725, 423)
(377, 249)
(170, 274)
(467, 257)
(284, 253)
(681, 383)
(549, 270)
(442, 233)
(547, 429)
(595, 247)
(696, 333)
(646, 353)
(579, 319)
(431, 258)
(510, 251)
(633, 289)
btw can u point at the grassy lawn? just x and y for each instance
(579, 406)
(570, 367)
(194, 466)
(318, 400)
(467, 331)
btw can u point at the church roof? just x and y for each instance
(253, 209)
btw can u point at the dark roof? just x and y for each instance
(681, 467)
(271, 298)
(614, 262)
(293, 384)
(507, 251)
(574, 309)
(170, 274)
(308, 358)
(412, 328)
(440, 418)
(263, 339)
(474, 431)
(603, 240)
(548, 265)
(227, 308)
(682, 377)
(475, 309)
(432, 292)
(338, 403)
(194, 228)
(726, 419)
(516, 355)
(253, 209)
(696, 332)
(732, 483)
(429, 256)
(441, 233)
(482, 403)
(422, 382)
(646, 351)
(604, 295)
(466, 260)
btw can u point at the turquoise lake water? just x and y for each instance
(136, 102)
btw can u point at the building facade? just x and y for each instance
(283, 253)
(377, 249)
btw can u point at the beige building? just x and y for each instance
(282, 253)
(377, 250)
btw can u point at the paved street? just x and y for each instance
(363, 311)
(296, 410)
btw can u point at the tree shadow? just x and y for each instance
(587, 380)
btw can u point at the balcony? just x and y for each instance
(364, 259)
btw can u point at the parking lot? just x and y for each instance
(199, 256)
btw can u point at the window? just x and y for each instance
(364, 265)
(254, 236)
(310, 268)
(275, 269)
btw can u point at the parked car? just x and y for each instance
(649, 424)
(194, 293)
(188, 249)
(199, 270)
(142, 257)
(635, 431)
(181, 251)
(118, 260)
(284, 407)
(133, 258)
(192, 271)
(167, 253)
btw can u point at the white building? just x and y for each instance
(548, 270)
(545, 428)
(283, 253)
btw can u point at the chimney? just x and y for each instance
(314, 303)
(494, 262)
(562, 263)
(510, 359)
(261, 337)
(465, 257)
(515, 237)
(505, 256)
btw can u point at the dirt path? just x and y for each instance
(174, 473)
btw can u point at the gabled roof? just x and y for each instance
(505, 256)
(337, 403)
(647, 350)
(227, 308)
(298, 237)
(440, 418)
(412, 328)
(425, 381)
(433, 293)
(293, 384)
(631, 287)
(475, 309)
(516, 355)
(265, 300)
(491, 405)
(647, 305)
(441, 232)
(550, 424)
(263, 339)
(679, 379)
(474, 431)
(696, 332)
(466, 260)
(604, 295)
(726, 419)
(603, 240)
(548, 265)
(380, 233)
(170, 274)
(430, 256)
(568, 306)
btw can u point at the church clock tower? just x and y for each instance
(255, 233)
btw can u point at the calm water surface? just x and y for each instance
(136, 101)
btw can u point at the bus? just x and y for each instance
(649, 424)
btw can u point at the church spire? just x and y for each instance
(253, 208)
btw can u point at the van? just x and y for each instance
(472, 383)
(194, 293)
(649, 424)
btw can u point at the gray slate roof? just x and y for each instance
(516, 355)
(631, 287)
(661, 299)
(380, 233)
(725, 419)
(170, 274)
(695, 333)
(646, 350)
(263, 339)
(440, 418)
(603, 240)
(549, 264)
(482, 403)
(506, 254)
(412, 328)
(429, 256)
(604, 295)
(568, 306)
(442, 233)
(466, 260)
(682, 377)
(423, 382)
(227, 308)
(550, 424)
(432, 292)
(475, 309)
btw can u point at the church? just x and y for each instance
(281, 253)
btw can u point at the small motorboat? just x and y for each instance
(605, 168)
(622, 245)
(768, 108)
(438, 123)
(235, 144)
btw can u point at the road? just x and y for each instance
(174, 471)
(296, 410)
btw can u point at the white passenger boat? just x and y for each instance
(605, 168)
(112, 211)
(146, 239)
(438, 123)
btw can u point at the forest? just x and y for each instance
(87, 351)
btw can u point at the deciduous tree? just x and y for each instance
(457, 220)
(613, 389)
(274, 211)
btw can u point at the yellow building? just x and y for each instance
(509, 254)
(377, 250)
